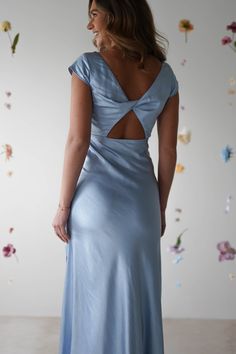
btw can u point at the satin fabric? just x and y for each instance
(112, 291)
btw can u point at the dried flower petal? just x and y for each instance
(5, 26)
(185, 25)
(184, 136)
(7, 105)
(179, 168)
(226, 40)
(226, 153)
(226, 251)
(8, 250)
(232, 27)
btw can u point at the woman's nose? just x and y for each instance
(89, 25)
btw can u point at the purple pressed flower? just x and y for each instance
(226, 40)
(226, 153)
(226, 251)
(176, 248)
(232, 27)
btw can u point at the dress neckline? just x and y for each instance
(156, 79)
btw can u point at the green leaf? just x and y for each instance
(15, 41)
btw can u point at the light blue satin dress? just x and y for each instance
(112, 291)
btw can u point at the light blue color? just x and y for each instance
(112, 291)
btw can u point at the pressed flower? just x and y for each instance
(232, 27)
(8, 151)
(176, 249)
(7, 105)
(185, 26)
(226, 153)
(8, 250)
(184, 136)
(177, 259)
(179, 168)
(226, 251)
(178, 210)
(5, 26)
(226, 40)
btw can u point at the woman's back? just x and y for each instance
(134, 82)
(117, 113)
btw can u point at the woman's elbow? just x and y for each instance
(167, 151)
(79, 143)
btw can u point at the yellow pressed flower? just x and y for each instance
(184, 136)
(5, 26)
(179, 168)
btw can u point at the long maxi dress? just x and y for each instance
(112, 290)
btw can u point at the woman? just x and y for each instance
(112, 208)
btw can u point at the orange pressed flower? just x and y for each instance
(185, 26)
(179, 168)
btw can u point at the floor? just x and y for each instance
(30, 335)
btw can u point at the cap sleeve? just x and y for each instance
(81, 68)
(174, 84)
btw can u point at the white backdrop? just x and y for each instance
(52, 35)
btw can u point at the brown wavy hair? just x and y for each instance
(130, 25)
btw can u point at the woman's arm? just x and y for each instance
(75, 151)
(167, 127)
(78, 138)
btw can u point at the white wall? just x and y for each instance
(52, 35)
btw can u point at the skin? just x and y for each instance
(77, 144)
